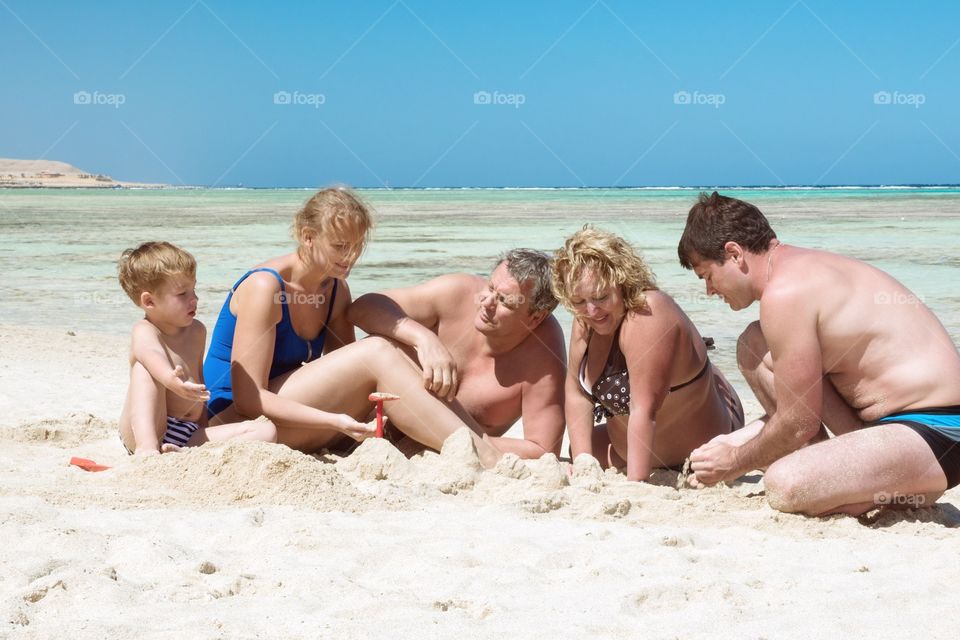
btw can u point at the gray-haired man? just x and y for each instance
(490, 346)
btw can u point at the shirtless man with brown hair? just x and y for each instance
(839, 342)
(489, 346)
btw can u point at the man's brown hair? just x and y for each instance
(716, 220)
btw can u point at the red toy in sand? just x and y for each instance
(380, 397)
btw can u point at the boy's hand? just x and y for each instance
(185, 389)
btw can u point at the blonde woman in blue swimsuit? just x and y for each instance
(283, 315)
(640, 390)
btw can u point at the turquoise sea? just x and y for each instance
(58, 248)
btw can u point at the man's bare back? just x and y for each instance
(882, 348)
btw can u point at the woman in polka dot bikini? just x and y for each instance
(641, 392)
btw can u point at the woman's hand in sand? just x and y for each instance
(359, 431)
(439, 368)
(186, 389)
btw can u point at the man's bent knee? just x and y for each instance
(785, 488)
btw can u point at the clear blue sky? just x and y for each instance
(777, 91)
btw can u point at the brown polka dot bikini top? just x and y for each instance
(611, 391)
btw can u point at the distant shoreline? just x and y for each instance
(113, 185)
(51, 174)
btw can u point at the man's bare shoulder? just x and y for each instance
(799, 260)
(546, 345)
(795, 299)
(455, 282)
(454, 291)
(807, 277)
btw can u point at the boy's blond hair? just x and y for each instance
(151, 265)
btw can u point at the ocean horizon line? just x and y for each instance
(756, 187)
(681, 188)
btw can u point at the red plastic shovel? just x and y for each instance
(380, 397)
(87, 465)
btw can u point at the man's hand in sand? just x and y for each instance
(730, 440)
(713, 462)
(359, 431)
(439, 368)
(185, 389)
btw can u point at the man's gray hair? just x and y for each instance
(533, 265)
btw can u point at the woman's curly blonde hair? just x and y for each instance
(612, 260)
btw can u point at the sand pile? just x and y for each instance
(242, 474)
(580, 490)
(376, 476)
(69, 431)
(536, 487)
(375, 459)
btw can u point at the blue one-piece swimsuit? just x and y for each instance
(289, 349)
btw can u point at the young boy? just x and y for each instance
(165, 408)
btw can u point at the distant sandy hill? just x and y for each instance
(50, 173)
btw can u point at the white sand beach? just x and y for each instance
(256, 540)
(446, 135)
